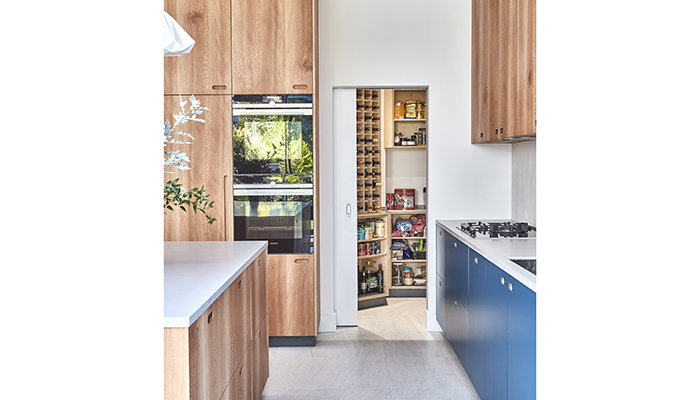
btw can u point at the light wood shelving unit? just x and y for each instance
(369, 151)
(372, 262)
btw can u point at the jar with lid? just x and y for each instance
(407, 276)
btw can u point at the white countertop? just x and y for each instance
(498, 251)
(197, 273)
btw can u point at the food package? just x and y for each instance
(417, 225)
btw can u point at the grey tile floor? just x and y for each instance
(389, 355)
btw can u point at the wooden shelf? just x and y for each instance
(408, 287)
(411, 237)
(410, 260)
(370, 296)
(372, 240)
(371, 256)
(421, 147)
(410, 120)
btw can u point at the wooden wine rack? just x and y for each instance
(369, 151)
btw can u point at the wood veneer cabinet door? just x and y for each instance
(240, 296)
(210, 165)
(176, 364)
(261, 359)
(291, 291)
(209, 343)
(503, 69)
(259, 286)
(272, 43)
(207, 68)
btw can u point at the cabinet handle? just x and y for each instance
(501, 130)
(455, 302)
(510, 286)
(259, 334)
(503, 281)
(455, 244)
(496, 133)
(209, 317)
(440, 233)
(240, 372)
(476, 260)
(239, 284)
(259, 262)
(481, 134)
(219, 87)
(300, 87)
(301, 261)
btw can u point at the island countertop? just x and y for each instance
(498, 251)
(197, 273)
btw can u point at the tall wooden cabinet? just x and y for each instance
(503, 71)
(207, 68)
(211, 166)
(272, 45)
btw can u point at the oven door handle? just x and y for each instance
(265, 112)
(273, 192)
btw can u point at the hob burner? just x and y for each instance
(497, 229)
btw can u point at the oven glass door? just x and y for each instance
(272, 142)
(285, 220)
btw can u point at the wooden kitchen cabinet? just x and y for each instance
(273, 46)
(222, 355)
(292, 295)
(207, 68)
(503, 71)
(211, 165)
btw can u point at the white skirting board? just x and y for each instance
(328, 323)
(431, 322)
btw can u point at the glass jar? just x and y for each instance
(407, 276)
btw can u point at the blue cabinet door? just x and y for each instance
(521, 341)
(440, 251)
(495, 325)
(440, 302)
(457, 268)
(456, 324)
(477, 311)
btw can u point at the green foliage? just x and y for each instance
(194, 198)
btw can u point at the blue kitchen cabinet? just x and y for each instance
(489, 319)
(494, 331)
(477, 317)
(440, 301)
(457, 268)
(521, 341)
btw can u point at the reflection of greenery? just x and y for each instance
(172, 192)
(271, 145)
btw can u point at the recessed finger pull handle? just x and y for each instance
(209, 317)
(300, 87)
(301, 261)
(510, 286)
(219, 87)
(503, 281)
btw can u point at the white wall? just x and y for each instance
(369, 43)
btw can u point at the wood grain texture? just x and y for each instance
(292, 293)
(207, 68)
(210, 351)
(259, 290)
(176, 364)
(273, 46)
(503, 69)
(261, 358)
(211, 166)
(240, 296)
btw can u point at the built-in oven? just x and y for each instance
(273, 171)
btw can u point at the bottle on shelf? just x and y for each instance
(380, 279)
(363, 282)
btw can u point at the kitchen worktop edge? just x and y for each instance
(498, 251)
(195, 274)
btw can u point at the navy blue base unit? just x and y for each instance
(489, 319)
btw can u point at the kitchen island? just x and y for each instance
(486, 306)
(215, 320)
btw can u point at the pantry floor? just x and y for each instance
(388, 356)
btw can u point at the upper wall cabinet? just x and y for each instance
(503, 71)
(207, 68)
(272, 43)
